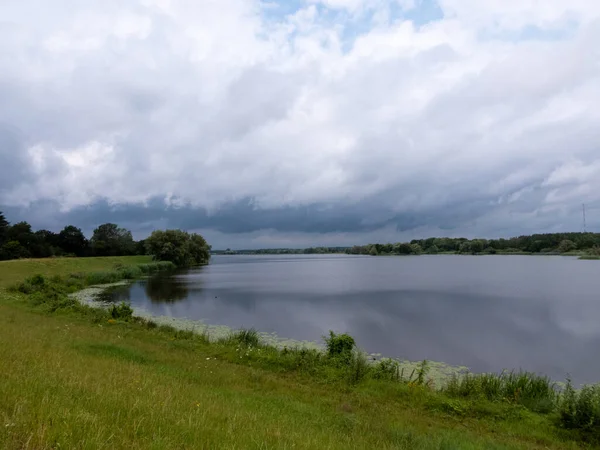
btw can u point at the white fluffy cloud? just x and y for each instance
(496, 104)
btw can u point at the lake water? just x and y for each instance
(484, 312)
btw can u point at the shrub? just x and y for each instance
(121, 311)
(386, 369)
(339, 345)
(581, 410)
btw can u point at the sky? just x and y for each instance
(306, 122)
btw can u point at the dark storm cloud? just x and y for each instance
(244, 217)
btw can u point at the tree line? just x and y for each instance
(21, 241)
(549, 243)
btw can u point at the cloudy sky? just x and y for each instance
(301, 122)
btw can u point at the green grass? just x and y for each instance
(12, 272)
(70, 380)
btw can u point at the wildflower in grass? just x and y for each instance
(112, 321)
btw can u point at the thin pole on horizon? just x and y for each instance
(584, 224)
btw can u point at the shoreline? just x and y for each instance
(438, 372)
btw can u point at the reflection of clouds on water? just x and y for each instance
(485, 313)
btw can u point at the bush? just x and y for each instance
(581, 410)
(123, 311)
(339, 345)
(386, 369)
(30, 285)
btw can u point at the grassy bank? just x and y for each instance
(12, 272)
(75, 378)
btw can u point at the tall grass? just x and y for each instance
(245, 338)
(535, 392)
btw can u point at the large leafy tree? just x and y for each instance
(181, 248)
(21, 232)
(72, 241)
(13, 250)
(110, 240)
(45, 244)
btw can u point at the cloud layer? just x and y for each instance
(335, 117)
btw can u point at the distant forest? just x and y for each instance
(550, 243)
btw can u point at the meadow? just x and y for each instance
(77, 377)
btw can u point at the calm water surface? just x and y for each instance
(486, 312)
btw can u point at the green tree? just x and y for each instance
(477, 245)
(13, 250)
(403, 248)
(566, 245)
(45, 244)
(72, 241)
(4, 226)
(21, 233)
(110, 240)
(416, 249)
(465, 247)
(199, 249)
(140, 247)
(181, 248)
(433, 250)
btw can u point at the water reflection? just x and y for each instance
(166, 289)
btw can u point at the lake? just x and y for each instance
(488, 313)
